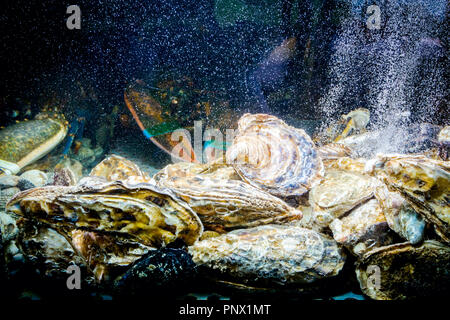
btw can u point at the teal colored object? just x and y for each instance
(162, 128)
(216, 145)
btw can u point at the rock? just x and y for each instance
(8, 181)
(36, 177)
(66, 173)
(86, 142)
(84, 153)
(5, 195)
(162, 270)
(63, 177)
(25, 185)
(98, 151)
(8, 227)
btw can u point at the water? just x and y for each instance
(137, 70)
(397, 72)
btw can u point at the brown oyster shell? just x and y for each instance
(50, 252)
(216, 170)
(117, 168)
(275, 157)
(405, 271)
(348, 164)
(105, 255)
(364, 228)
(229, 204)
(142, 212)
(400, 215)
(339, 192)
(270, 255)
(423, 182)
(41, 248)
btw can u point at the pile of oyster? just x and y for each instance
(278, 212)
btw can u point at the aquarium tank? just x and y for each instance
(218, 150)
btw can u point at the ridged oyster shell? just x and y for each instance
(117, 168)
(401, 271)
(270, 254)
(215, 169)
(364, 228)
(225, 204)
(339, 192)
(334, 151)
(400, 215)
(275, 157)
(141, 212)
(425, 184)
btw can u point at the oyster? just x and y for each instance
(229, 204)
(45, 249)
(34, 248)
(348, 164)
(275, 157)
(105, 255)
(364, 228)
(444, 135)
(401, 271)
(25, 142)
(339, 192)
(141, 212)
(425, 184)
(115, 168)
(333, 151)
(270, 255)
(400, 215)
(215, 169)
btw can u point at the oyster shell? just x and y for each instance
(400, 215)
(216, 170)
(270, 255)
(339, 192)
(46, 249)
(364, 228)
(32, 247)
(277, 158)
(117, 168)
(334, 151)
(49, 252)
(106, 255)
(401, 271)
(444, 135)
(141, 212)
(348, 164)
(357, 121)
(229, 204)
(425, 184)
